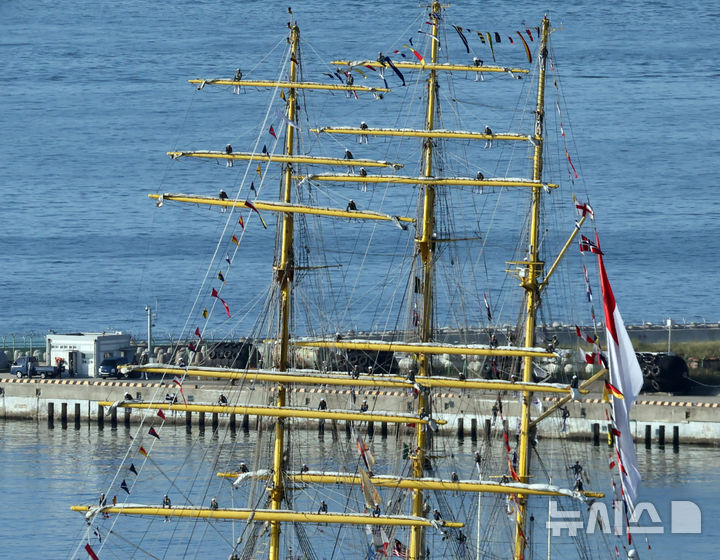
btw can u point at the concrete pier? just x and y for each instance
(690, 420)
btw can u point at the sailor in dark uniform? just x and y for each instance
(348, 155)
(351, 206)
(228, 150)
(213, 504)
(488, 141)
(237, 78)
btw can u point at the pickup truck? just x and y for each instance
(28, 366)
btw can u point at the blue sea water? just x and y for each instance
(95, 93)
(43, 472)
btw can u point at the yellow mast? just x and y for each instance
(424, 244)
(284, 276)
(532, 295)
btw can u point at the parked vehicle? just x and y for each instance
(110, 367)
(28, 366)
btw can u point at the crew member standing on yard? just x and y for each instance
(565, 415)
(576, 469)
(322, 405)
(237, 78)
(488, 141)
(363, 137)
(349, 80)
(166, 504)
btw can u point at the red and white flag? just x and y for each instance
(177, 382)
(584, 209)
(627, 377)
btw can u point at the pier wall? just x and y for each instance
(75, 401)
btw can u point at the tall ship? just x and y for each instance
(430, 226)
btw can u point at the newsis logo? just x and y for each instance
(685, 518)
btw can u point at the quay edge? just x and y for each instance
(691, 420)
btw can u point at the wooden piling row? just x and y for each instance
(460, 432)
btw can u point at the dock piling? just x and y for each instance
(661, 437)
(77, 416)
(596, 434)
(473, 429)
(676, 439)
(648, 436)
(63, 415)
(101, 418)
(51, 415)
